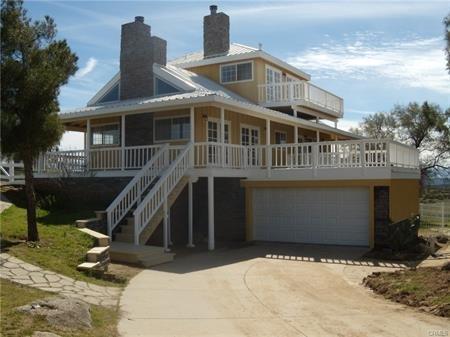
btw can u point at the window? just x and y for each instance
(111, 96)
(164, 88)
(175, 128)
(236, 72)
(280, 137)
(105, 134)
(213, 131)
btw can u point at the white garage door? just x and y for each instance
(312, 215)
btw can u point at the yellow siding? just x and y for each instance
(248, 89)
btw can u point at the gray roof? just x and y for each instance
(235, 49)
(199, 86)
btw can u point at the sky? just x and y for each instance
(374, 54)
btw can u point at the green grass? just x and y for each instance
(16, 324)
(61, 248)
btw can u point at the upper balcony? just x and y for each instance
(302, 94)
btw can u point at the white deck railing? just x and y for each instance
(289, 92)
(11, 171)
(132, 193)
(333, 154)
(159, 193)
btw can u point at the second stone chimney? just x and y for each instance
(138, 51)
(216, 33)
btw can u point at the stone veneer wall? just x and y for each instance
(229, 213)
(139, 129)
(88, 192)
(381, 213)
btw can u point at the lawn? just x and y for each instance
(15, 324)
(61, 248)
(426, 288)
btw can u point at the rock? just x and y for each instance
(446, 266)
(442, 239)
(44, 334)
(61, 312)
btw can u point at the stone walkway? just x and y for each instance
(18, 271)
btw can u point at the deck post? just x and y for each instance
(222, 135)
(88, 143)
(211, 212)
(122, 141)
(192, 135)
(296, 145)
(268, 150)
(166, 225)
(190, 215)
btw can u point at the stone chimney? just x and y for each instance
(138, 51)
(216, 33)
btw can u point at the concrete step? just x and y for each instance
(89, 266)
(102, 239)
(124, 237)
(83, 223)
(97, 254)
(146, 256)
(100, 215)
(127, 229)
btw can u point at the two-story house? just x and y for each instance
(229, 143)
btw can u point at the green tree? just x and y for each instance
(447, 38)
(34, 65)
(379, 125)
(425, 126)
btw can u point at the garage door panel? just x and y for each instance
(320, 215)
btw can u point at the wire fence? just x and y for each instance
(435, 218)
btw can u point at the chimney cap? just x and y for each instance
(213, 9)
(139, 19)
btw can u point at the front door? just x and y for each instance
(250, 137)
(213, 136)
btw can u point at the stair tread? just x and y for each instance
(98, 250)
(94, 234)
(87, 220)
(88, 265)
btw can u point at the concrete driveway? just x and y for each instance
(267, 290)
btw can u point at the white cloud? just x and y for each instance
(409, 62)
(90, 66)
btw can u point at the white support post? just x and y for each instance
(88, 143)
(122, 141)
(166, 225)
(192, 136)
(190, 215)
(268, 150)
(222, 134)
(296, 145)
(211, 243)
(317, 136)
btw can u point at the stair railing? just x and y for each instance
(159, 193)
(132, 193)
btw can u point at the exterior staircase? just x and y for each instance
(143, 204)
(127, 229)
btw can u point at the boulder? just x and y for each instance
(44, 334)
(61, 312)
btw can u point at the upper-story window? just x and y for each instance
(111, 96)
(236, 72)
(164, 88)
(108, 134)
